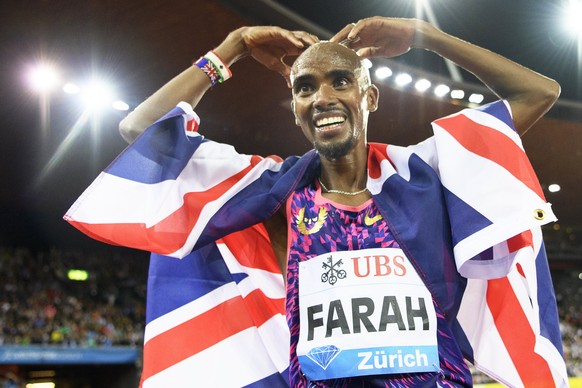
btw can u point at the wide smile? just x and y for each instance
(329, 124)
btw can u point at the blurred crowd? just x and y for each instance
(569, 296)
(40, 305)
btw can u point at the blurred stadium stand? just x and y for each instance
(74, 333)
(89, 333)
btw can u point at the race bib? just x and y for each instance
(364, 312)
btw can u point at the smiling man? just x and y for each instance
(387, 251)
(332, 98)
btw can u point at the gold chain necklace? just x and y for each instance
(350, 193)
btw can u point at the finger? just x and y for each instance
(285, 71)
(342, 34)
(306, 37)
(351, 43)
(279, 66)
(355, 31)
(293, 39)
(369, 52)
(273, 35)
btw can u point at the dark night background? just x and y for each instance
(139, 45)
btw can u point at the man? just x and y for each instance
(396, 326)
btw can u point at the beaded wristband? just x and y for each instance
(214, 68)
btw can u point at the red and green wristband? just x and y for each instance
(214, 68)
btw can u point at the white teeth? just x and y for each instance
(329, 121)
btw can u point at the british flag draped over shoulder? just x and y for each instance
(465, 205)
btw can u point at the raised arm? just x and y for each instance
(529, 94)
(268, 45)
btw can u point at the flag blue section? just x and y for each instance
(421, 225)
(158, 155)
(464, 212)
(175, 282)
(261, 198)
(499, 111)
(548, 309)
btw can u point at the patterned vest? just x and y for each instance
(318, 226)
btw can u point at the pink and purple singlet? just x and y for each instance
(319, 228)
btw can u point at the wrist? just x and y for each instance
(425, 36)
(232, 48)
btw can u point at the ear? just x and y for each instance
(373, 95)
(294, 114)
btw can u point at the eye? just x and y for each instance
(303, 88)
(341, 82)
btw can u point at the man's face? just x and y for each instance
(332, 99)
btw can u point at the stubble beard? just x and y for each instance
(335, 150)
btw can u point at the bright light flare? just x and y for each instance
(442, 90)
(422, 85)
(97, 95)
(476, 98)
(572, 12)
(49, 384)
(367, 63)
(403, 79)
(383, 72)
(554, 188)
(71, 88)
(43, 78)
(458, 94)
(120, 105)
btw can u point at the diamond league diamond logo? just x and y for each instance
(323, 355)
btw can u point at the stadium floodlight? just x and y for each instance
(572, 12)
(422, 85)
(442, 90)
(457, 94)
(97, 95)
(43, 78)
(71, 88)
(383, 72)
(554, 188)
(120, 105)
(476, 98)
(403, 79)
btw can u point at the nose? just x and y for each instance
(324, 97)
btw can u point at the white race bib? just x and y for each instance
(364, 312)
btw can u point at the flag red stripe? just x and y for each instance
(193, 336)
(252, 248)
(376, 154)
(478, 141)
(522, 240)
(169, 234)
(517, 334)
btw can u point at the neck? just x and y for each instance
(347, 174)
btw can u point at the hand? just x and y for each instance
(380, 36)
(270, 45)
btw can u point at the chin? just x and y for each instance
(335, 150)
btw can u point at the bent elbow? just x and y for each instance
(549, 94)
(127, 129)
(553, 92)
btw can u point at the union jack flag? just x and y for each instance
(180, 195)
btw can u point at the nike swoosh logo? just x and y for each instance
(369, 221)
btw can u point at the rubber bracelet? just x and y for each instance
(209, 69)
(224, 71)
